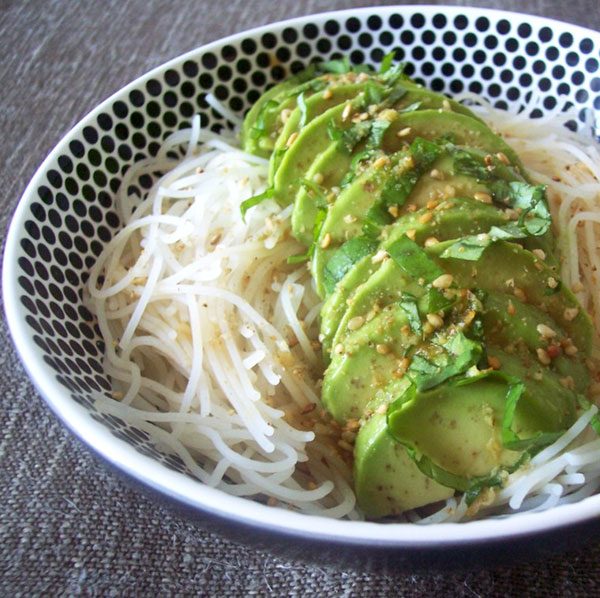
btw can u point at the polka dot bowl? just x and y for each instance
(66, 216)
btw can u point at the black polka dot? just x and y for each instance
(190, 68)
(153, 87)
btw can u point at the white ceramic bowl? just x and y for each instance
(65, 217)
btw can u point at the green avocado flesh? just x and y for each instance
(449, 338)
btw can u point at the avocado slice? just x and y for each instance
(415, 97)
(386, 480)
(365, 363)
(511, 323)
(503, 266)
(259, 121)
(457, 427)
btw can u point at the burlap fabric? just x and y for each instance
(68, 527)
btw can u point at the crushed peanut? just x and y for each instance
(494, 362)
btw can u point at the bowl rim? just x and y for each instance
(192, 493)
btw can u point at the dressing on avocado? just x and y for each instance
(446, 336)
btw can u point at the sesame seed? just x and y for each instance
(488, 160)
(424, 218)
(349, 219)
(379, 256)
(389, 115)
(381, 162)
(338, 349)
(285, 115)
(430, 241)
(327, 94)
(483, 197)
(382, 349)
(552, 282)
(543, 356)
(326, 241)
(567, 382)
(347, 111)
(520, 294)
(394, 211)
(436, 174)
(382, 409)
(318, 178)
(443, 281)
(503, 158)
(511, 309)
(446, 106)
(540, 253)
(435, 320)
(291, 139)
(410, 233)
(546, 331)
(570, 313)
(571, 350)
(308, 408)
(355, 323)
(404, 132)
(352, 424)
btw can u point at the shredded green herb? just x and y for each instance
(255, 200)
(413, 260)
(408, 304)
(344, 258)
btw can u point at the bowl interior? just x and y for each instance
(66, 215)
